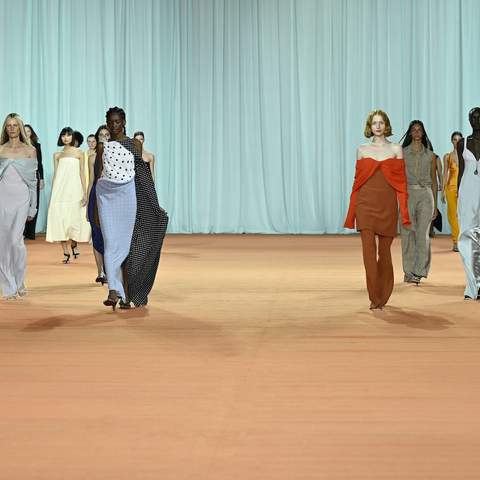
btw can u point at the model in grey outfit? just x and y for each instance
(18, 201)
(421, 177)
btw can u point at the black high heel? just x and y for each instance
(112, 299)
(124, 305)
(101, 279)
(73, 247)
(67, 258)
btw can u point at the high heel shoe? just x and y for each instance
(74, 252)
(101, 279)
(67, 258)
(112, 299)
(124, 305)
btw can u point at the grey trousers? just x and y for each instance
(416, 253)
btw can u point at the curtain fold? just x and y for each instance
(253, 108)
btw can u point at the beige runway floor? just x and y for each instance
(257, 358)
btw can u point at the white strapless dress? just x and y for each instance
(67, 219)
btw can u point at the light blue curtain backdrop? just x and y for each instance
(254, 108)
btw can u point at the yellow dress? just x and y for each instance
(67, 219)
(451, 195)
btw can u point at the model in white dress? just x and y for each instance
(67, 216)
(468, 212)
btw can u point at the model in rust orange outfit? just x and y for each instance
(380, 186)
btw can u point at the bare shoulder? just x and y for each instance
(361, 150)
(397, 150)
(56, 155)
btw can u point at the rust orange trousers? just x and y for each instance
(378, 266)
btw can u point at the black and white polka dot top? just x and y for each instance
(118, 163)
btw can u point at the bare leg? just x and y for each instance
(66, 255)
(99, 262)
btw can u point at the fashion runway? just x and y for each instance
(257, 358)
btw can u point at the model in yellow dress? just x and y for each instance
(450, 165)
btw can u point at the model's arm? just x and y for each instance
(434, 183)
(55, 166)
(38, 149)
(439, 174)
(91, 173)
(81, 159)
(152, 166)
(461, 162)
(32, 187)
(446, 175)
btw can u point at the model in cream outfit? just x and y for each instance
(67, 217)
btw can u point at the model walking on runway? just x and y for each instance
(468, 152)
(132, 222)
(450, 165)
(102, 135)
(380, 186)
(67, 217)
(31, 225)
(18, 203)
(421, 170)
(147, 156)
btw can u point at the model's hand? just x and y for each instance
(41, 184)
(435, 213)
(84, 200)
(29, 219)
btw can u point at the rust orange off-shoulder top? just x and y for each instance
(393, 170)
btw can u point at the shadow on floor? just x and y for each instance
(442, 290)
(155, 326)
(412, 318)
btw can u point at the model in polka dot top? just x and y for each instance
(118, 162)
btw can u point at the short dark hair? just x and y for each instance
(91, 135)
(62, 133)
(77, 137)
(456, 133)
(33, 136)
(138, 133)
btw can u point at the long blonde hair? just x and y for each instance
(23, 136)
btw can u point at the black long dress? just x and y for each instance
(30, 226)
(151, 223)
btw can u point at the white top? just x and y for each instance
(118, 163)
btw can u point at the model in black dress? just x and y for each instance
(31, 225)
